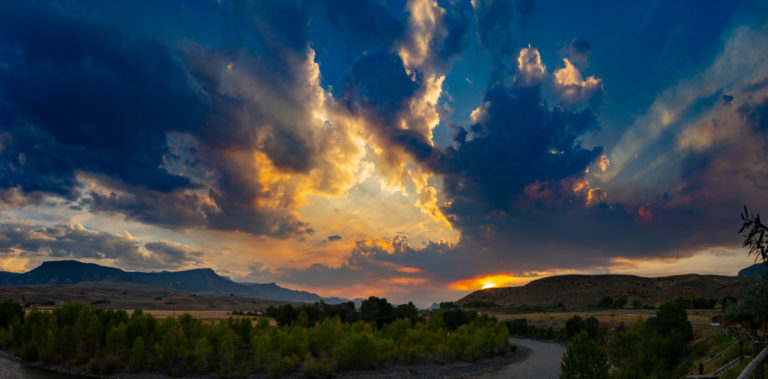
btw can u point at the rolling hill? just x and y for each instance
(583, 290)
(200, 281)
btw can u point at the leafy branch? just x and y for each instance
(755, 238)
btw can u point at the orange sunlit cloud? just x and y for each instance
(409, 270)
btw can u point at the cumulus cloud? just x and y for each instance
(572, 88)
(180, 137)
(529, 66)
(579, 51)
(75, 241)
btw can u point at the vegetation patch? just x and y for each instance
(315, 344)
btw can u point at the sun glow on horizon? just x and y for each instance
(496, 280)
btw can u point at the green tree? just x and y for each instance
(138, 355)
(655, 347)
(408, 311)
(377, 310)
(606, 302)
(584, 359)
(8, 311)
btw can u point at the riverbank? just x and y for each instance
(453, 370)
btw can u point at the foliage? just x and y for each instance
(655, 347)
(606, 302)
(10, 310)
(107, 341)
(481, 304)
(574, 325)
(697, 303)
(377, 310)
(287, 314)
(751, 310)
(755, 238)
(584, 359)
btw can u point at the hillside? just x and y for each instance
(129, 296)
(583, 290)
(199, 281)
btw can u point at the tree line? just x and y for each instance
(338, 338)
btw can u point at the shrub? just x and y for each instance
(584, 359)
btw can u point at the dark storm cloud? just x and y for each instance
(380, 89)
(378, 83)
(80, 96)
(527, 140)
(97, 101)
(75, 241)
(755, 114)
(457, 22)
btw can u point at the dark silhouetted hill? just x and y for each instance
(756, 269)
(584, 290)
(203, 281)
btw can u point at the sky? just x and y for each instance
(415, 150)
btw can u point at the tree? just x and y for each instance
(408, 311)
(8, 311)
(584, 359)
(606, 302)
(655, 347)
(378, 310)
(751, 310)
(756, 238)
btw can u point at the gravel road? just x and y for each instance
(542, 362)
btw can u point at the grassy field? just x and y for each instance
(700, 318)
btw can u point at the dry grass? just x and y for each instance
(700, 318)
(132, 297)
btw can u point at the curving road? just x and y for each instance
(543, 361)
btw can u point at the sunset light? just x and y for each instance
(416, 150)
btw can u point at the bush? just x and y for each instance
(584, 359)
(606, 302)
(655, 347)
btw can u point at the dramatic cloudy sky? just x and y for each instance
(412, 149)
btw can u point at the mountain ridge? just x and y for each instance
(201, 280)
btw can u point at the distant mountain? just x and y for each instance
(582, 290)
(273, 291)
(756, 269)
(71, 272)
(203, 281)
